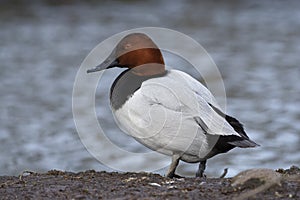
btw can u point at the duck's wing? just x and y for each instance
(240, 140)
(243, 140)
(178, 92)
(230, 126)
(197, 87)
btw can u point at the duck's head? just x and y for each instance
(137, 52)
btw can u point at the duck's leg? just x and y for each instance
(202, 166)
(172, 168)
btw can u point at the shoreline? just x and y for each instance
(254, 183)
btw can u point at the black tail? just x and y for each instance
(243, 141)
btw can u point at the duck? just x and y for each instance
(167, 110)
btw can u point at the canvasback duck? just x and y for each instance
(168, 111)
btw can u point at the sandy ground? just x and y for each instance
(254, 183)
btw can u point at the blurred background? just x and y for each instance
(255, 44)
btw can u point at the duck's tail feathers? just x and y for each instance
(244, 143)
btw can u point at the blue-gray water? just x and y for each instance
(255, 45)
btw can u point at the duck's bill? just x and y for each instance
(110, 62)
(105, 65)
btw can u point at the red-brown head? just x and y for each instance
(137, 52)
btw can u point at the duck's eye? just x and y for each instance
(127, 46)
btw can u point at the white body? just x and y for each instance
(161, 115)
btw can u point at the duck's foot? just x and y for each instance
(174, 176)
(201, 169)
(171, 171)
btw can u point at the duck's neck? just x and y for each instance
(150, 69)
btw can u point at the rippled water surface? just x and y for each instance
(255, 45)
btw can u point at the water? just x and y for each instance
(255, 45)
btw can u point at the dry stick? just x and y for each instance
(8, 183)
(25, 172)
(257, 190)
(270, 178)
(224, 173)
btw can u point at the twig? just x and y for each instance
(224, 173)
(25, 172)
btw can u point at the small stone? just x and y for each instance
(155, 184)
(129, 179)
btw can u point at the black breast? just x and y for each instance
(125, 85)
